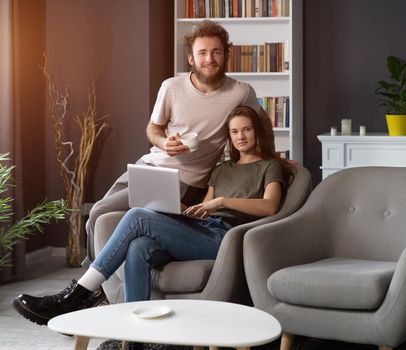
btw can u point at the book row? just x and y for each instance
(270, 57)
(236, 8)
(277, 109)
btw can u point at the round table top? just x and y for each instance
(183, 322)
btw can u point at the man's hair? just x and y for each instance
(208, 29)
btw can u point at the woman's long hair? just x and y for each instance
(263, 146)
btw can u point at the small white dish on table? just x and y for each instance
(152, 311)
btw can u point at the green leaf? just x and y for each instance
(30, 224)
(394, 67)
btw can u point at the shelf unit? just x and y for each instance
(257, 31)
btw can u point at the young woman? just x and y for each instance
(249, 186)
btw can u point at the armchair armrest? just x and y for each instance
(104, 227)
(298, 239)
(227, 280)
(392, 313)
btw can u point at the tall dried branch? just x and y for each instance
(73, 163)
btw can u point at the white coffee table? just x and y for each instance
(191, 322)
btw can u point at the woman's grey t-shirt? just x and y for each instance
(232, 180)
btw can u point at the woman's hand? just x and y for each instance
(203, 210)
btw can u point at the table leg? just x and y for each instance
(198, 348)
(81, 342)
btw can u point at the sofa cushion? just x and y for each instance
(182, 276)
(333, 283)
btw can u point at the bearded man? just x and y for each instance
(198, 101)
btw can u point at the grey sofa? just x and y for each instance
(222, 279)
(336, 269)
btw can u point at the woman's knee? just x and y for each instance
(142, 213)
(140, 248)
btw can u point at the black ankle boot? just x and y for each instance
(41, 309)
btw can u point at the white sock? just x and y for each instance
(92, 279)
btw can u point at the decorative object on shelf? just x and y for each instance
(73, 163)
(393, 94)
(346, 126)
(362, 130)
(30, 224)
(333, 131)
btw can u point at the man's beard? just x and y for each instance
(209, 80)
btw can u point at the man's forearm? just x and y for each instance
(155, 134)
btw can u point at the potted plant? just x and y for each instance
(32, 223)
(394, 96)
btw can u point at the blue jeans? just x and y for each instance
(145, 239)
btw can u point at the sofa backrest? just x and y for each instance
(363, 211)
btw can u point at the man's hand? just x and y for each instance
(173, 146)
(170, 144)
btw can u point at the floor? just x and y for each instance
(17, 333)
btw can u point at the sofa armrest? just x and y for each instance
(300, 238)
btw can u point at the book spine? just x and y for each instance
(257, 8)
(235, 8)
(207, 8)
(254, 67)
(226, 8)
(286, 59)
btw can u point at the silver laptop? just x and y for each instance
(154, 188)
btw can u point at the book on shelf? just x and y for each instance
(269, 57)
(286, 65)
(277, 108)
(235, 8)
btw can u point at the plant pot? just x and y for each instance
(396, 124)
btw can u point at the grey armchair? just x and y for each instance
(336, 269)
(222, 279)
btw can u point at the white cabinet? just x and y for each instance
(375, 149)
(257, 31)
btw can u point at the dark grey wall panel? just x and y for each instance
(346, 43)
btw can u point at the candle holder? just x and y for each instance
(346, 128)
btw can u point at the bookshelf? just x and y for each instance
(258, 31)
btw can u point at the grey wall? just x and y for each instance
(346, 43)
